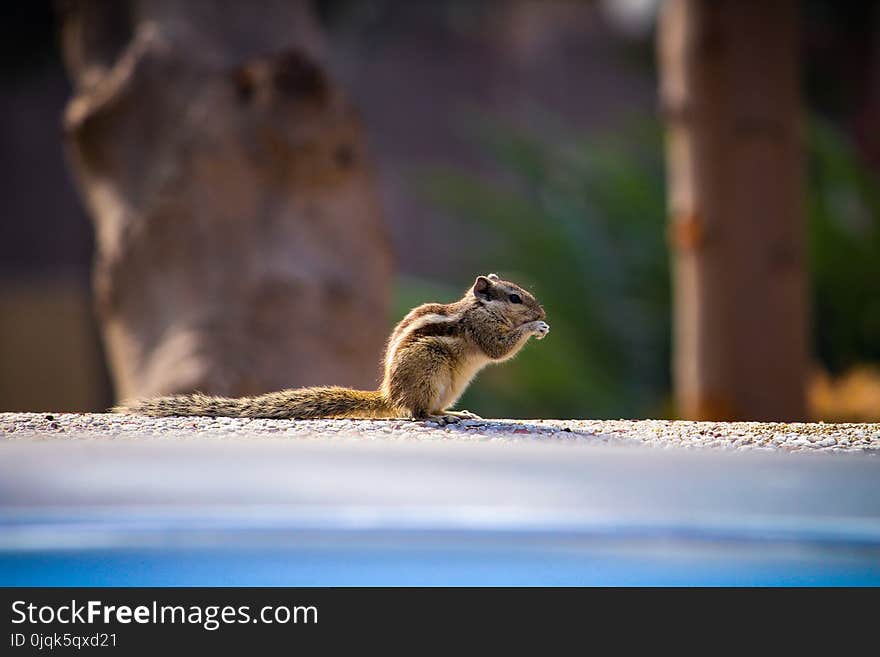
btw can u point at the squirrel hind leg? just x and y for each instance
(451, 417)
(422, 414)
(442, 418)
(463, 415)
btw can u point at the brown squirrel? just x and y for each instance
(430, 358)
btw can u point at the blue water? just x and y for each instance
(427, 566)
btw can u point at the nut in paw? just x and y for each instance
(541, 330)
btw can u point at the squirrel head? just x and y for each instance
(507, 299)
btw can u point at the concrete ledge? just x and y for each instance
(788, 437)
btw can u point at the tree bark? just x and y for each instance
(239, 240)
(729, 94)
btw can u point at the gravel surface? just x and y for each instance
(776, 436)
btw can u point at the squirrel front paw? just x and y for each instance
(539, 329)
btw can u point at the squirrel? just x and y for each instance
(430, 358)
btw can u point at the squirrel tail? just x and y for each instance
(299, 403)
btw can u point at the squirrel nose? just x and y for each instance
(541, 313)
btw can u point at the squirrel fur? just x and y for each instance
(430, 358)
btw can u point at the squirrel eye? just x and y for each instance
(515, 298)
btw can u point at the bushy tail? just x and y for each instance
(299, 403)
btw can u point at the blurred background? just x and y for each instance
(238, 197)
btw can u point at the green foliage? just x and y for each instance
(581, 221)
(843, 201)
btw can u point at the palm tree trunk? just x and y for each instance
(729, 93)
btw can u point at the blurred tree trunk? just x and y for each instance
(239, 241)
(729, 91)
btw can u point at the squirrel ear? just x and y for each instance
(493, 277)
(481, 287)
